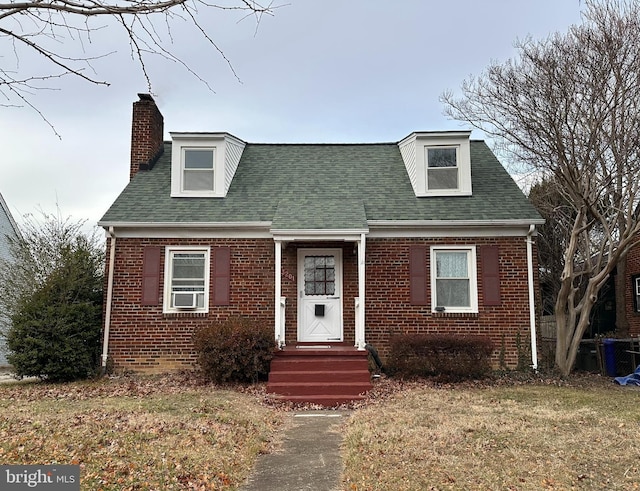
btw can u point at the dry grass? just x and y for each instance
(501, 437)
(172, 433)
(145, 433)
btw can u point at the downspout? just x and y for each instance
(532, 307)
(107, 315)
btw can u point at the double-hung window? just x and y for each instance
(198, 169)
(186, 279)
(453, 279)
(636, 292)
(442, 168)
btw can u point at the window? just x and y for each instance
(186, 279)
(453, 279)
(203, 164)
(636, 292)
(198, 169)
(438, 163)
(442, 168)
(319, 275)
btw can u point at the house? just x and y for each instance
(335, 245)
(632, 294)
(8, 230)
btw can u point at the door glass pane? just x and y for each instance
(319, 275)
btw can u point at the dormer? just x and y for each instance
(203, 164)
(438, 162)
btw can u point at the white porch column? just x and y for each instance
(360, 318)
(279, 334)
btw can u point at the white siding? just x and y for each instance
(408, 152)
(232, 154)
(8, 228)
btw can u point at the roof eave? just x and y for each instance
(455, 223)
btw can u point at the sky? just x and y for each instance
(314, 72)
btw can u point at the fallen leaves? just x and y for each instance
(495, 435)
(137, 433)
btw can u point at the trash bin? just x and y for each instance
(610, 356)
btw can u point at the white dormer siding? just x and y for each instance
(438, 162)
(203, 164)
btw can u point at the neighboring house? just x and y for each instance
(8, 229)
(331, 244)
(632, 295)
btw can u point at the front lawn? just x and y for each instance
(173, 433)
(137, 433)
(501, 437)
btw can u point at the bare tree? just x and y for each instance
(552, 237)
(58, 33)
(568, 108)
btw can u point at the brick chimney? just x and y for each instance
(147, 131)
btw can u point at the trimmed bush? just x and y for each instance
(449, 356)
(238, 349)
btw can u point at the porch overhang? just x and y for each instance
(316, 216)
(318, 235)
(320, 219)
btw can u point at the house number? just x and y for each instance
(287, 275)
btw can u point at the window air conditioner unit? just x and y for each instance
(185, 300)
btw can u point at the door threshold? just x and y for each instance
(313, 346)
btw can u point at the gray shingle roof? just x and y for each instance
(322, 186)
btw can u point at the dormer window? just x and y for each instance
(203, 164)
(438, 162)
(442, 168)
(198, 170)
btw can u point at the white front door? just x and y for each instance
(319, 295)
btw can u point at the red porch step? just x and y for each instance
(325, 376)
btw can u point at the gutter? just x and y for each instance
(532, 312)
(223, 225)
(453, 223)
(107, 315)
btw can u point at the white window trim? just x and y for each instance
(637, 293)
(168, 252)
(177, 169)
(214, 170)
(427, 169)
(473, 278)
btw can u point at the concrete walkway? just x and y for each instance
(309, 458)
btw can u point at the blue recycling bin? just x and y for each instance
(610, 356)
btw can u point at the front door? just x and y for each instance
(319, 295)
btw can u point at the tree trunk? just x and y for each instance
(571, 323)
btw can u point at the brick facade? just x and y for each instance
(144, 339)
(632, 271)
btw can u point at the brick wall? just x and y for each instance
(143, 339)
(390, 312)
(146, 340)
(633, 269)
